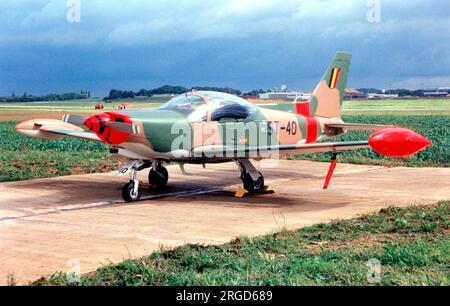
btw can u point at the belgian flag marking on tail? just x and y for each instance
(334, 78)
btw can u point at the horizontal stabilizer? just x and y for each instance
(74, 119)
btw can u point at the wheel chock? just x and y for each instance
(268, 190)
(147, 186)
(243, 193)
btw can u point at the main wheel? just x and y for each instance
(158, 177)
(253, 186)
(128, 193)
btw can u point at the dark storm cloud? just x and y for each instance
(245, 44)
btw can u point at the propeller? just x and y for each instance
(111, 127)
(97, 122)
(74, 119)
(123, 127)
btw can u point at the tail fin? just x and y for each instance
(327, 98)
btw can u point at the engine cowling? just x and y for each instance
(98, 125)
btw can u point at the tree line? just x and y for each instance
(116, 94)
(50, 97)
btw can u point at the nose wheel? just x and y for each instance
(131, 192)
(157, 177)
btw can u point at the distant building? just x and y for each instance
(352, 93)
(285, 95)
(435, 94)
(441, 92)
(382, 96)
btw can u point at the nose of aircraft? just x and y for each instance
(398, 142)
(96, 123)
(112, 128)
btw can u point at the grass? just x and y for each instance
(424, 104)
(434, 127)
(83, 104)
(411, 244)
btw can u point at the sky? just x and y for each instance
(51, 46)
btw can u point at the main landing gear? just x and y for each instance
(253, 179)
(157, 178)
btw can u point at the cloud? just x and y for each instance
(241, 43)
(143, 22)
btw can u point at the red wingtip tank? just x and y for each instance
(398, 142)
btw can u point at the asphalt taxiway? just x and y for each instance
(46, 225)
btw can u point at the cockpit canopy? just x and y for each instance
(200, 106)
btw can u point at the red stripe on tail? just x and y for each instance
(312, 128)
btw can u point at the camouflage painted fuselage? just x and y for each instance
(168, 134)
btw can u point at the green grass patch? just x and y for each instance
(83, 104)
(411, 244)
(425, 104)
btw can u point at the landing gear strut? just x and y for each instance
(157, 177)
(251, 177)
(131, 191)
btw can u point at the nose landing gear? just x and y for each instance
(131, 192)
(158, 178)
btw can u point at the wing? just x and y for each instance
(76, 134)
(50, 129)
(240, 152)
(357, 126)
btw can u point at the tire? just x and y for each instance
(158, 178)
(252, 186)
(128, 193)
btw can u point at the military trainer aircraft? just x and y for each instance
(202, 127)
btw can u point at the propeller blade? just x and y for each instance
(74, 119)
(123, 127)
